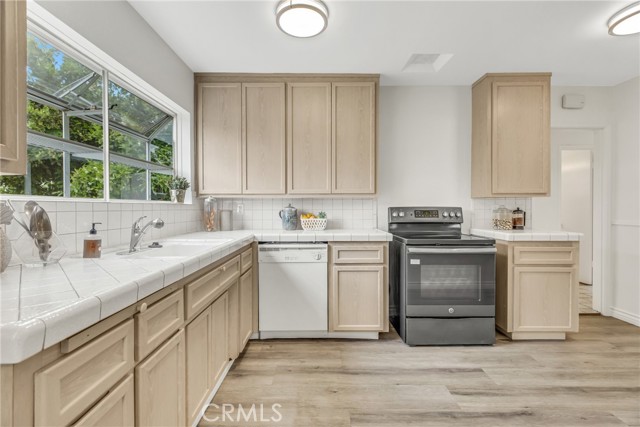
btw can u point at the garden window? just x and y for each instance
(67, 115)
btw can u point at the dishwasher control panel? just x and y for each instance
(292, 253)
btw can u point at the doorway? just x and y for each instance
(576, 213)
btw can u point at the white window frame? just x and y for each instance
(59, 34)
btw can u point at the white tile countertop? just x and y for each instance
(41, 306)
(527, 235)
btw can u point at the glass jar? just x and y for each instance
(502, 218)
(518, 218)
(210, 216)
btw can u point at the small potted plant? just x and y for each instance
(178, 186)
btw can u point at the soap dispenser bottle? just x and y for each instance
(92, 243)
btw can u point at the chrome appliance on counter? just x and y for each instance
(442, 282)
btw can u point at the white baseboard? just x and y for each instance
(625, 316)
(265, 335)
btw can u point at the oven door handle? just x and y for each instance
(472, 251)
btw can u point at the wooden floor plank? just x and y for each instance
(592, 379)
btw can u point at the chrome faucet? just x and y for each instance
(137, 232)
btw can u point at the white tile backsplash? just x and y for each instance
(483, 210)
(262, 213)
(72, 221)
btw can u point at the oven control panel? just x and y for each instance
(447, 215)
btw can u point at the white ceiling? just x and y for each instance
(567, 38)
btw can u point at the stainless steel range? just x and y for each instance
(442, 282)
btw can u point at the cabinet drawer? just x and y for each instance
(68, 387)
(358, 254)
(115, 409)
(246, 260)
(203, 291)
(544, 255)
(158, 322)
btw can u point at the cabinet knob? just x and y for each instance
(143, 307)
(224, 268)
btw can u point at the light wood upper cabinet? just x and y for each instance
(309, 138)
(263, 148)
(510, 135)
(160, 385)
(354, 138)
(219, 134)
(316, 137)
(13, 87)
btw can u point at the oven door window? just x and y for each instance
(450, 279)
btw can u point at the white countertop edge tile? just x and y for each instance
(23, 338)
(20, 340)
(528, 235)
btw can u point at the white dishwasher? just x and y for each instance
(293, 290)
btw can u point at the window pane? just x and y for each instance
(127, 182)
(87, 178)
(160, 186)
(127, 145)
(54, 73)
(132, 112)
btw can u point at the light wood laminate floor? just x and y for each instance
(592, 379)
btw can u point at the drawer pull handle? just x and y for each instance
(143, 307)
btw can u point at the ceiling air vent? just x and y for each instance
(426, 62)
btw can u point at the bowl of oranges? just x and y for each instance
(311, 222)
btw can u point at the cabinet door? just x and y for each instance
(115, 409)
(13, 87)
(309, 138)
(199, 363)
(234, 320)
(545, 299)
(68, 387)
(263, 148)
(520, 143)
(246, 308)
(220, 339)
(219, 130)
(354, 138)
(358, 298)
(160, 385)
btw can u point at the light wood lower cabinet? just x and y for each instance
(220, 339)
(233, 326)
(199, 336)
(160, 385)
(65, 389)
(115, 409)
(537, 289)
(246, 308)
(358, 293)
(95, 379)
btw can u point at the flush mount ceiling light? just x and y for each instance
(626, 21)
(302, 18)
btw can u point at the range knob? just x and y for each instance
(452, 214)
(401, 213)
(445, 214)
(394, 213)
(458, 215)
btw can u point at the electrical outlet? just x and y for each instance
(240, 208)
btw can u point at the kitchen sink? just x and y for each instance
(174, 249)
